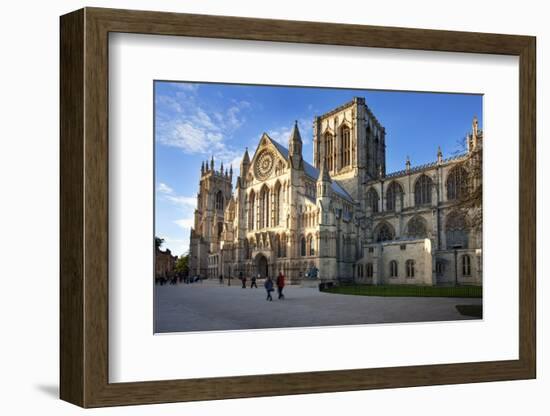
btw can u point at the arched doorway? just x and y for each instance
(261, 266)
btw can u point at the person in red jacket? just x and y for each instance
(280, 285)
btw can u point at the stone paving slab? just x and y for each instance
(214, 307)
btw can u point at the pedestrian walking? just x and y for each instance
(269, 288)
(253, 282)
(243, 279)
(221, 279)
(280, 285)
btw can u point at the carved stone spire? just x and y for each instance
(323, 173)
(295, 137)
(295, 146)
(245, 162)
(323, 181)
(475, 132)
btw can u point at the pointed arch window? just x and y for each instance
(329, 150)
(311, 245)
(369, 270)
(417, 228)
(423, 190)
(372, 200)
(385, 233)
(410, 268)
(393, 268)
(219, 200)
(440, 267)
(466, 265)
(277, 205)
(456, 183)
(264, 207)
(345, 155)
(278, 245)
(302, 246)
(251, 210)
(456, 230)
(394, 192)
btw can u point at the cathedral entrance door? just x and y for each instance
(261, 266)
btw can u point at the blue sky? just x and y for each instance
(195, 121)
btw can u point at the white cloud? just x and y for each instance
(242, 104)
(177, 246)
(282, 133)
(200, 118)
(236, 162)
(165, 189)
(192, 138)
(182, 201)
(185, 86)
(196, 130)
(183, 206)
(232, 118)
(168, 193)
(185, 223)
(170, 103)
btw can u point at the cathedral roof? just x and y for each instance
(282, 150)
(420, 168)
(313, 172)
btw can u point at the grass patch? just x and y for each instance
(475, 311)
(408, 290)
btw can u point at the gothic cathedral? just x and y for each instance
(344, 218)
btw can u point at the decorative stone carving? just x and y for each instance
(264, 164)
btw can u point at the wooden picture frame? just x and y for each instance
(84, 207)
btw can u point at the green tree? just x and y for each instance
(158, 242)
(182, 265)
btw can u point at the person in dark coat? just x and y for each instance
(221, 279)
(269, 288)
(243, 279)
(280, 285)
(253, 284)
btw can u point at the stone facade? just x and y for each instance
(342, 218)
(165, 263)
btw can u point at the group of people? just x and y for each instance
(269, 285)
(252, 280)
(175, 278)
(280, 286)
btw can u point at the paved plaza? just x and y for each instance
(209, 306)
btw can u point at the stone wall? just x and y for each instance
(165, 263)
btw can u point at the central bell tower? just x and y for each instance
(352, 142)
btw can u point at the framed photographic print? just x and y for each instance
(324, 200)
